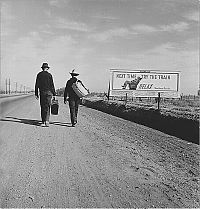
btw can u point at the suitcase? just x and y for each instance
(79, 89)
(54, 107)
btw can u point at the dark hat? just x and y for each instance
(73, 73)
(44, 65)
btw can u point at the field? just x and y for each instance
(186, 107)
(178, 117)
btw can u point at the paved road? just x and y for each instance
(103, 162)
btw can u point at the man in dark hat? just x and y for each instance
(44, 82)
(72, 98)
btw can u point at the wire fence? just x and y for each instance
(183, 101)
(151, 99)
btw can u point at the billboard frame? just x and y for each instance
(112, 90)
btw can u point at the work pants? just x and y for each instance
(45, 103)
(73, 106)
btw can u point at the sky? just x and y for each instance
(93, 36)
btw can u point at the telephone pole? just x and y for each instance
(16, 88)
(9, 85)
(6, 86)
(21, 88)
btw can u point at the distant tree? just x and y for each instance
(60, 91)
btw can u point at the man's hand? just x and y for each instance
(37, 97)
(66, 99)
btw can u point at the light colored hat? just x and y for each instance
(73, 73)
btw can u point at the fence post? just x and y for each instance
(126, 98)
(109, 91)
(158, 101)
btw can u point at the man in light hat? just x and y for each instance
(72, 98)
(44, 82)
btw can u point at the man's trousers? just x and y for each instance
(45, 103)
(73, 106)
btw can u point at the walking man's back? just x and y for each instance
(72, 97)
(44, 82)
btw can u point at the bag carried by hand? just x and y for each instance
(54, 107)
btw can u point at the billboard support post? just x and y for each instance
(109, 91)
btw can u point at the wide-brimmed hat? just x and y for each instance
(73, 73)
(45, 65)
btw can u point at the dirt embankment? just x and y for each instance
(178, 125)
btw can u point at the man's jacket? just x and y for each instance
(44, 82)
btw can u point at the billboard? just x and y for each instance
(144, 83)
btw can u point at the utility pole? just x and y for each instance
(6, 86)
(16, 88)
(9, 85)
(21, 88)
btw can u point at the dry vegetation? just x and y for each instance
(178, 117)
(186, 107)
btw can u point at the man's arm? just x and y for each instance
(36, 87)
(83, 85)
(53, 87)
(66, 92)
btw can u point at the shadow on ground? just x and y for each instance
(32, 122)
(61, 124)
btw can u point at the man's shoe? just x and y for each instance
(43, 125)
(73, 125)
(47, 123)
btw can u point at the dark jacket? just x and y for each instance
(44, 82)
(69, 90)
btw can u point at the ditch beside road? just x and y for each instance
(182, 122)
